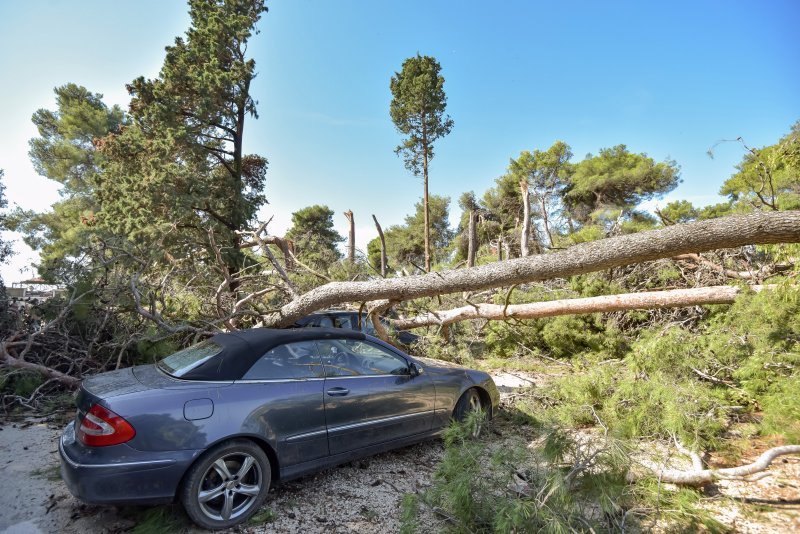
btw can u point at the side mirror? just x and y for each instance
(415, 369)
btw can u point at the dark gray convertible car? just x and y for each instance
(213, 425)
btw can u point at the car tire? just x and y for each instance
(470, 401)
(227, 485)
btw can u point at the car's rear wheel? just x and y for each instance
(227, 485)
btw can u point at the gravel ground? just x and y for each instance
(360, 497)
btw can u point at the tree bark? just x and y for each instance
(472, 239)
(47, 372)
(526, 218)
(426, 208)
(699, 477)
(725, 232)
(384, 263)
(546, 220)
(351, 237)
(674, 298)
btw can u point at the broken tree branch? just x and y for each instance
(731, 273)
(699, 477)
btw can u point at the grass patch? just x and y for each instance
(263, 516)
(160, 520)
(409, 511)
(51, 472)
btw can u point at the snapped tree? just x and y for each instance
(544, 175)
(405, 244)
(725, 232)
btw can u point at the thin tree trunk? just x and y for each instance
(472, 239)
(426, 208)
(724, 232)
(674, 298)
(351, 239)
(546, 220)
(287, 249)
(526, 219)
(383, 246)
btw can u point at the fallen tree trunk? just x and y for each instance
(725, 232)
(674, 298)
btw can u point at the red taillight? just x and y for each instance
(101, 427)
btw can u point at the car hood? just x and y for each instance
(442, 365)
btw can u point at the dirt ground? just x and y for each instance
(360, 497)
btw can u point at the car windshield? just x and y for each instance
(183, 361)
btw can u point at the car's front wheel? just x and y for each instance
(469, 402)
(227, 485)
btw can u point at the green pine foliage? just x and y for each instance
(558, 483)
(692, 382)
(405, 243)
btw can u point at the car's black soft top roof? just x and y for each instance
(242, 348)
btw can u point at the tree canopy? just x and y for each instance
(315, 240)
(418, 112)
(617, 179)
(768, 177)
(66, 152)
(178, 171)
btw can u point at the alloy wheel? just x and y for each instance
(230, 486)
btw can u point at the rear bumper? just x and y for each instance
(120, 474)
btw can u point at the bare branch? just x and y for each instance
(699, 477)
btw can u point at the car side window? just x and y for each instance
(345, 321)
(352, 357)
(367, 327)
(324, 321)
(292, 360)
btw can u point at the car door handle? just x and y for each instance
(338, 392)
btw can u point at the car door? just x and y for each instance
(371, 396)
(284, 390)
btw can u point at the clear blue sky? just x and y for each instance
(669, 79)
